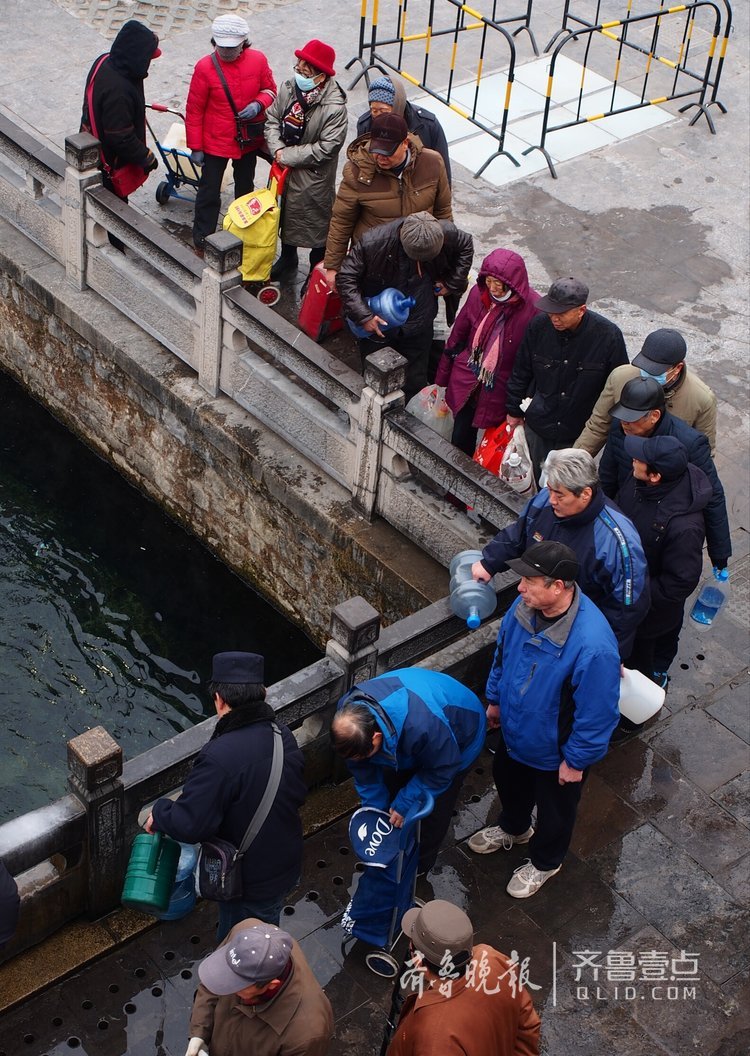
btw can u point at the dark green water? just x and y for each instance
(109, 611)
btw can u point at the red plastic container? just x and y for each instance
(320, 313)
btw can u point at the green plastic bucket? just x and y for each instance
(151, 872)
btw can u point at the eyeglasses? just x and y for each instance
(305, 71)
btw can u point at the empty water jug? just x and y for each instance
(150, 873)
(182, 898)
(640, 697)
(470, 600)
(390, 304)
(713, 593)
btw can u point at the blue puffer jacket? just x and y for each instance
(557, 688)
(613, 570)
(430, 723)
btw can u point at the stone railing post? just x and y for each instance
(82, 171)
(94, 772)
(355, 629)
(385, 373)
(223, 253)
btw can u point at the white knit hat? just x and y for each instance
(229, 30)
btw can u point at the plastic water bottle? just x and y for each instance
(470, 600)
(711, 598)
(390, 304)
(516, 472)
(182, 898)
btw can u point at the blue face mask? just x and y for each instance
(305, 84)
(661, 378)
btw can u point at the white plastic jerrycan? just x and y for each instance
(640, 698)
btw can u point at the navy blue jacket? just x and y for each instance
(558, 687)
(617, 466)
(613, 570)
(669, 519)
(564, 373)
(430, 723)
(9, 905)
(221, 794)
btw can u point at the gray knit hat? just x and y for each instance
(421, 236)
(382, 91)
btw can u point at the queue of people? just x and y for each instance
(606, 555)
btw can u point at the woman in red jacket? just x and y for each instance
(482, 347)
(210, 123)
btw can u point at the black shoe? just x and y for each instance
(284, 266)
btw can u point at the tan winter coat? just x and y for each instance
(692, 401)
(311, 185)
(367, 197)
(298, 1021)
(471, 1021)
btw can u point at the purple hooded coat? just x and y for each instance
(455, 373)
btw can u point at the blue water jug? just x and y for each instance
(390, 304)
(713, 594)
(182, 898)
(470, 600)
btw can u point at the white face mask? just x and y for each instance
(505, 297)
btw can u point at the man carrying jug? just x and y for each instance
(419, 256)
(227, 784)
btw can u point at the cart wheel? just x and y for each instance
(382, 963)
(269, 295)
(162, 193)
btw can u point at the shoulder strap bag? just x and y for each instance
(248, 132)
(218, 872)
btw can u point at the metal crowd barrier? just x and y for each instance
(386, 52)
(686, 81)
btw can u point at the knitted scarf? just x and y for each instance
(295, 115)
(488, 343)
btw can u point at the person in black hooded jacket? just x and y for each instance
(224, 789)
(665, 498)
(119, 101)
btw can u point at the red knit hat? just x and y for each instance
(320, 55)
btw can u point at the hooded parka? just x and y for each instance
(454, 370)
(368, 196)
(119, 102)
(310, 187)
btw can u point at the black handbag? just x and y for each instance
(247, 131)
(218, 872)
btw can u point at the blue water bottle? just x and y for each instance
(390, 304)
(713, 594)
(470, 600)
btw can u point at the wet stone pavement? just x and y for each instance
(639, 946)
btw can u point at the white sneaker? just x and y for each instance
(492, 839)
(527, 879)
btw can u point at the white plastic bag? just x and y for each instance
(516, 467)
(429, 406)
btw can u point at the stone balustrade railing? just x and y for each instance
(353, 428)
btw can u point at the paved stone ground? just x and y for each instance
(658, 226)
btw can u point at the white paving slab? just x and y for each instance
(584, 94)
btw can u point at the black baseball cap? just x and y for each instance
(547, 558)
(638, 397)
(386, 133)
(563, 295)
(661, 350)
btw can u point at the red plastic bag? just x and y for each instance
(126, 179)
(491, 447)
